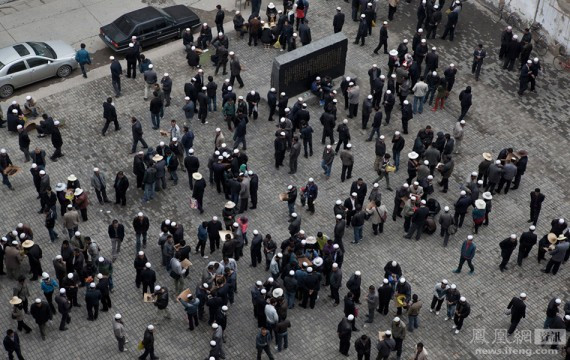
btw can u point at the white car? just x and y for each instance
(28, 62)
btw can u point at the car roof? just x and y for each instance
(143, 14)
(9, 54)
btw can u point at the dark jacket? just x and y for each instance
(518, 309)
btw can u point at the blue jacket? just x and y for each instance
(191, 307)
(468, 253)
(82, 57)
(49, 286)
(202, 233)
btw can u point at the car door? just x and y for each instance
(145, 32)
(41, 68)
(164, 30)
(18, 74)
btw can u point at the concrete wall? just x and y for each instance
(554, 15)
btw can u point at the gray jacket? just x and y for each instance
(445, 220)
(99, 182)
(354, 95)
(44, 183)
(559, 251)
(244, 190)
(509, 171)
(495, 172)
(159, 166)
(336, 279)
(235, 66)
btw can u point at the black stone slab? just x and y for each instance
(294, 71)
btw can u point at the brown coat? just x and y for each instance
(254, 25)
(12, 258)
(71, 219)
(82, 201)
(414, 309)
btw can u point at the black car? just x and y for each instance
(150, 25)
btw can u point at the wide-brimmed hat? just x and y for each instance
(487, 156)
(197, 176)
(393, 52)
(278, 292)
(157, 157)
(522, 153)
(552, 238)
(318, 261)
(487, 196)
(311, 240)
(561, 237)
(78, 192)
(15, 300)
(413, 155)
(230, 205)
(27, 244)
(72, 177)
(60, 187)
(480, 204)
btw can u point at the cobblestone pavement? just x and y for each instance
(498, 119)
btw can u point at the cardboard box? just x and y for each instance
(381, 335)
(301, 260)
(284, 196)
(184, 294)
(149, 298)
(186, 264)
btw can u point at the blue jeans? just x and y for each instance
(374, 131)
(212, 103)
(174, 176)
(138, 241)
(155, 118)
(326, 168)
(52, 234)
(235, 198)
(83, 71)
(420, 100)
(282, 338)
(430, 94)
(290, 299)
(291, 207)
(451, 310)
(396, 157)
(413, 322)
(148, 192)
(357, 233)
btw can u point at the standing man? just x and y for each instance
(119, 331)
(478, 55)
(141, 225)
(132, 56)
(63, 307)
(24, 142)
(462, 311)
(137, 132)
(557, 255)
(338, 20)
(235, 70)
(392, 7)
(148, 343)
(344, 331)
(219, 20)
(12, 343)
(262, 342)
(56, 141)
(507, 247)
(116, 232)
(383, 39)
(83, 58)
(362, 31)
(110, 115)
(99, 183)
(150, 78)
(467, 253)
(536, 199)
(116, 72)
(517, 309)
(527, 241)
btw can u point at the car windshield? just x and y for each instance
(124, 24)
(42, 49)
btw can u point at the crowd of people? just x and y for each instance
(302, 266)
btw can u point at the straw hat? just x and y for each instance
(27, 244)
(71, 178)
(480, 204)
(78, 192)
(15, 300)
(487, 156)
(560, 237)
(522, 153)
(60, 187)
(552, 238)
(487, 196)
(230, 205)
(311, 240)
(157, 157)
(278, 292)
(197, 176)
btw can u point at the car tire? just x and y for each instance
(6, 91)
(64, 71)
